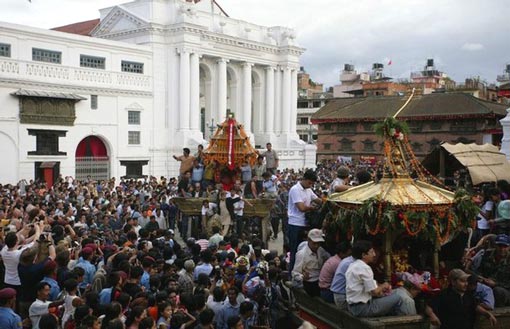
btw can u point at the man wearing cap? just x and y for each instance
(453, 308)
(50, 274)
(495, 268)
(309, 261)
(301, 200)
(365, 297)
(8, 318)
(90, 270)
(341, 182)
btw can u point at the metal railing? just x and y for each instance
(95, 168)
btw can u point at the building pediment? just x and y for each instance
(134, 106)
(118, 19)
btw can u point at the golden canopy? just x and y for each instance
(230, 131)
(397, 191)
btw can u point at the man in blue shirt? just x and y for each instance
(147, 264)
(8, 318)
(338, 283)
(50, 273)
(90, 270)
(229, 308)
(205, 266)
(483, 293)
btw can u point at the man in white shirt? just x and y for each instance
(365, 298)
(309, 262)
(11, 254)
(301, 200)
(341, 183)
(41, 305)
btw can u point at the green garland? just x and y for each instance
(383, 128)
(374, 217)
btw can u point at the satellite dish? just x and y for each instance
(504, 209)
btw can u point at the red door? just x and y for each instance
(48, 176)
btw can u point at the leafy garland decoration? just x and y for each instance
(432, 222)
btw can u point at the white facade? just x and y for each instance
(197, 64)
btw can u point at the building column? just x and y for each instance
(293, 101)
(277, 126)
(184, 90)
(194, 117)
(270, 117)
(247, 97)
(222, 90)
(286, 99)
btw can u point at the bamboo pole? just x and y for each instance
(387, 246)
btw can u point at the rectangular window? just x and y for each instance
(93, 102)
(327, 146)
(303, 121)
(327, 126)
(44, 55)
(369, 146)
(133, 137)
(436, 125)
(302, 105)
(132, 67)
(5, 50)
(316, 104)
(92, 62)
(46, 141)
(134, 117)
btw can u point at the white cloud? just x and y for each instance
(472, 46)
(335, 32)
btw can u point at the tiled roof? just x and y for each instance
(421, 107)
(47, 94)
(81, 28)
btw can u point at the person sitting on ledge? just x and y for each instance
(366, 298)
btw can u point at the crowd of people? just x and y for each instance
(88, 254)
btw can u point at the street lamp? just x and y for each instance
(211, 128)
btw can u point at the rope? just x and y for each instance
(405, 104)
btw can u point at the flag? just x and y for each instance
(389, 63)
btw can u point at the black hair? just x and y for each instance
(11, 239)
(48, 321)
(245, 307)
(360, 247)
(206, 317)
(233, 321)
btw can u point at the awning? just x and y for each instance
(46, 94)
(485, 163)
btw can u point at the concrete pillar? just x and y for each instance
(505, 141)
(278, 100)
(194, 117)
(222, 90)
(184, 90)
(293, 101)
(270, 117)
(247, 97)
(286, 100)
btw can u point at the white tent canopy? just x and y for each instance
(485, 163)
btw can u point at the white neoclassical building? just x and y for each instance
(120, 95)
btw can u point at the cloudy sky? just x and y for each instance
(465, 37)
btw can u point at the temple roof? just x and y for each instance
(424, 107)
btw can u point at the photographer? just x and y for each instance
(11, 254)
